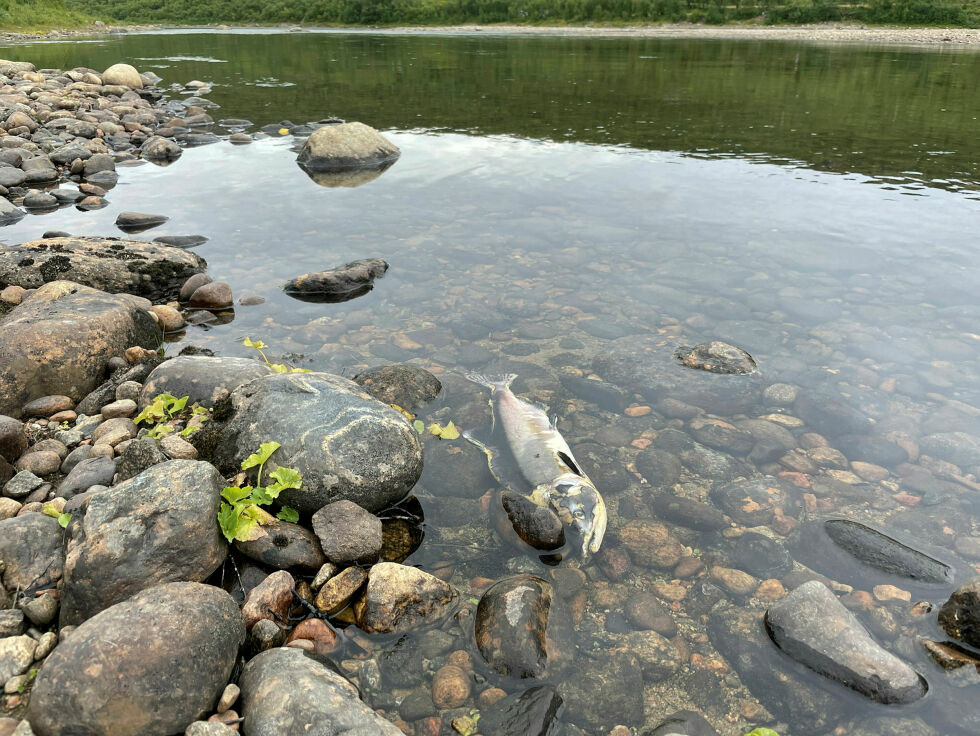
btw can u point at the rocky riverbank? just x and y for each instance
(751, 574)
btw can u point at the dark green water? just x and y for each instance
(557, 199)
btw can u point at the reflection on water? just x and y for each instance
(576, 205)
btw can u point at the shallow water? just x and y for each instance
(814, 204)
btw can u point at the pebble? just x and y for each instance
(735, 581)
(177, 448)
(9, 508)
(22, 484)
(891, 593)
(450, 687)
(40, 463)
(120, 408)
(490, 696)
(270, 599)
(770, 590)
(228, 698)
(338, 590)
(48, 405)
(169, 318)
(215, 295)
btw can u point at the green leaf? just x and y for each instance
(419, 426)
(63, 520)
(286, 478)
(264, 496)
(279, 368)
(762, 732)
(449, 432)
(49, 509)
(188, 431)
(245, 526)
(228, 517)
(234, 494)
(265, 452)
(257, 344)
(177, 406)
(288, 514)
(300, 370)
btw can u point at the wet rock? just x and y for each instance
(97, 163)
(22, 484)
(41, 463)
(683, 723)
(688, 512)
(284, 545)
(404, 385)
(13, 438)
(214, 295)
(643, 365)
(139, 455)
(739, 636)
(112, 554)
(958, 448)
(734, 581)
(841, 547)
(320, 701)
(646, 613)
(814, 628)
(829, 415)
(658, 658)
(96, 471)
(346, 146)
(32, 551)
(123, 75)
(533, 712)
(157, 148)
(45, 349)
(348, 534)
(174, 647)
(346, 445)
(604, 693)
(960, 615)
(700, 460)
(181, 241)
(451, 687)
(536, 526)
(717, 357)
(338, 591)
(137, 222)
(40, 201)
(650, 544)
(399, 598)
(10, 214)
(270, 599)
(754, 502)
(191, 285)
(202, 379)
(338, 284)
(520, 628)
(761, 556)
(115, 265)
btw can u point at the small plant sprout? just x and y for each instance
(761, 732)
(259, 346)
(241, 513)
(166, 412)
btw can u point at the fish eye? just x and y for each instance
(579, 514)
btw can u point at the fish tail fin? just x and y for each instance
(493, 381)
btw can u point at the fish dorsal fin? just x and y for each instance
(567, 459)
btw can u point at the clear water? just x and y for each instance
(814, 204)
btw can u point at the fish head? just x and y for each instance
(578, 504)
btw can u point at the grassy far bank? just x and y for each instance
(40, 15)
(964, 13)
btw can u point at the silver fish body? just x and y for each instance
(543, 467)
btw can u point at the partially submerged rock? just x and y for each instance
(960, 615)
(202, 379)
(339, 284)
(346, 146)
(60, 341)
(115, 265)
(814, 628)
(345, 444)
(402, 384)
(122, 74)
(286, 693)
(148, 665)
(717, 357)
(399, 598)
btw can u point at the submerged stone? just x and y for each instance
(960, 615)
(339, 284)
(533, 712)
(717, 357)
(814, 628)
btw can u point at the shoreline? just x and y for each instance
(817, 32)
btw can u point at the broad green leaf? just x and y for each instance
(188, 431)
(200, 411)
(288, 514)
(264, 496)
(286, 478)
(245, 526)
(257, 344)
(265, 452)
(177, 406)
(228, 520)
(234, 494)
(160, 430)
(49, 509)
(419, 426)
(63, 520)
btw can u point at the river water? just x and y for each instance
(559, 200)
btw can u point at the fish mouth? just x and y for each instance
(580, 507)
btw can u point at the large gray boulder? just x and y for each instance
(150, 665)
(32, 552)
(116, 265)
(814, 628)
(59, 341)
(345, 444)
(9, 214)
(158, 527)
(124, 75)
(347, 146)
(285, 693)
(202, 379)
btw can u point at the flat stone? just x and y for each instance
(136, 222)
(404, 385)
(22, 484)
(533, 712)
(348, 534)
(338, 284)
(339, 590)
(814, 628)
(16, 656)
(283, 545)
(717, 357)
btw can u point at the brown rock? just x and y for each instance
(45, 406)
(317, 631)
(192, 284)
(338, 590)
(13, 438)
(490, 696)
(450, 687)
(688, 567)
(269, 599)
(216, 295)
(734, 581)
(650, 544)
(40, 463)
(228, 697)
(399, 598)
(169, 318)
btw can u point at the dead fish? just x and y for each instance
(528, 455)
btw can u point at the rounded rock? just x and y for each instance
(124, 75)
